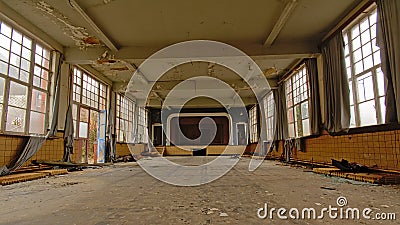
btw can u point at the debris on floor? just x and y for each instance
(371, 177)
(345, 166)
(22, 177)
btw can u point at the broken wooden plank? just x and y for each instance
(54, 172)
(20, 177)
(67, 164)
(375, 178)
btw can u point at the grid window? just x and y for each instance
(88, 91)
(125, 109)
(253, 124)
(363, 67)
(90, 97)
(269, 109)
(297, 102)
(24, 78)
(142, 131)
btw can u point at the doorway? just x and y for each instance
(91, 135)
(200, 152)
(157, 135)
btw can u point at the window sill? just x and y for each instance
(369, 129)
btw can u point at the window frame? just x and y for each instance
(350, 61)
(119, 98)
(269, 111)
(141, 125)
(46, 58)
(78, 104)
(253, 122)
(298, 119)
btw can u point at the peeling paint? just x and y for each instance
(78, 34)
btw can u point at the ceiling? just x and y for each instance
(115, 36)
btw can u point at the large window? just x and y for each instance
(363, 64)
(142, 130)
(269, 110)
(90, 97)
(89, 91)
(125, 111)
(297, 101)
(253, 124)
(24, 81)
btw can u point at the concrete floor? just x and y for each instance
(125, 194)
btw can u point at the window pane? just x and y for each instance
(84, 115)
(15, 119)
(351, 93)
(367, 50)
(3, 67)
(355, 31)
(27, 42)
(290, 115)
(359, 67)
(75, 129)
(38, 102)
(367, 113)
(381, 81)
(365, 87)
(306, 127)
(364, 25)
(357, 55)
(37, 123)
(5, 42)
(377, 58)
(13, 72)
(17, 36)
(18, 95)
(2, 80)
(4, 54)
(83, 130)
(74, 112)
(5, 29)
(304, 110)
(291, 130)
(368, 63)
(16, 48)
(356, 43)
(26, 53)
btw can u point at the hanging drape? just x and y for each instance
(34, 143)
(68, 135)
(110, 141)
(337, 101)
(388, 39)
(315, 110)
(281, 130)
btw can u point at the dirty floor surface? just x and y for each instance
(125, 194)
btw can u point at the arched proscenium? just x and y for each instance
(214, 52)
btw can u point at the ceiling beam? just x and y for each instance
(285, 15)
(290, 50)
(107, 41)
